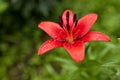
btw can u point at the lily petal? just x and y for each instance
(95, 36)
(68, 14)
(53, 30)
(48, 45)
(76, 50)
(84, 25)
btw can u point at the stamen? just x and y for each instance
(60, 24)
(74, 18)
(67, 15)
(68, 27)
(67, 20)
(60, 21)
(76, 23)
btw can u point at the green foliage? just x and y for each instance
(21, 38)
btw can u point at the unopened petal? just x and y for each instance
(53, 30)
(76, 50)
(68, 14)
(48, 45)
(95, 36)
(84, 25)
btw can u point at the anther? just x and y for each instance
(67, 17)
(76, 23)
(60, 21)
(74, 18)
(68, 27)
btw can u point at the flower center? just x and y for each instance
(68, 24)
(70, 39)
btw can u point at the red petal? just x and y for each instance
(48, 45)
(84, 25)
(95, 36)
(71, 15)
(53, 30)
(76, 50)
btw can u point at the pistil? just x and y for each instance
(70, 39)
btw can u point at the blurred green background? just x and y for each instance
(20, 39)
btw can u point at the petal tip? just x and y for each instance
(109, 39)
(39, 53)
(68, 10)
(39, 25)
(95, 15)
(79, 60)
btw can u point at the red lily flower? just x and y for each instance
(71, 34)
